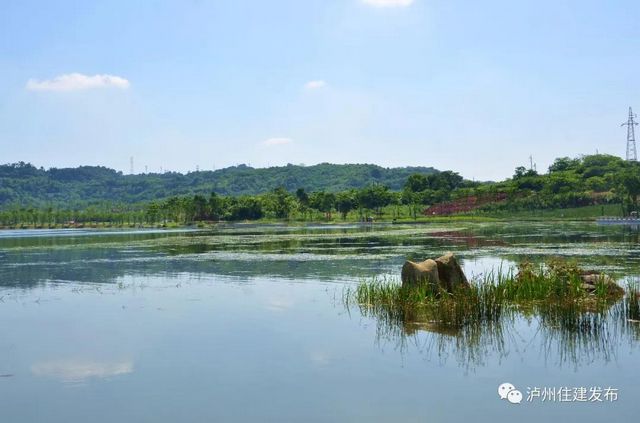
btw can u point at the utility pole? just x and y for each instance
(631, 137)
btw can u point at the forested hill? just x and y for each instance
(24, 184)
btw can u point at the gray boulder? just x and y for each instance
(423, 273)
(442, 273)
(450, 272)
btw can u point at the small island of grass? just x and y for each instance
(560, 293)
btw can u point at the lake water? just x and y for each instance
(248, 323)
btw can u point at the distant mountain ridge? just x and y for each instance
(24, 184)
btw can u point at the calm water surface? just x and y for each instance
(247, 323)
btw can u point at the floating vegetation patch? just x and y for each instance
(567, 250)
(239, 237)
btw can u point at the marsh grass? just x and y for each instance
(554, 289)
(575, 326)
(472, 319)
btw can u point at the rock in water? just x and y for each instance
(450, 273)
(441, 273)
(423, 273)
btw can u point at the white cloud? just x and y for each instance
(78, 371)
(277, 141)
(280, 304)
(320, 358)
(388, 3)
(77, 81)
(316, 84)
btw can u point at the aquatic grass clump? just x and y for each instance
(576, 323)
(472, 319)
(538, 283)
(418, 305)
(558, 283)
(556, 291)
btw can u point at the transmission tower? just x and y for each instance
(631, 137)
(131, 165)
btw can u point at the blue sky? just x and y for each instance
(471, 86)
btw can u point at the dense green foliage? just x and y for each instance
(39, 198)
(589, 180)
(25, 185)
(586, 181)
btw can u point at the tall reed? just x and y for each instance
(556, 287)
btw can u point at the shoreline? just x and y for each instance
(207, 225)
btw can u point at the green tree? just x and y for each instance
(323, 202)
(345, 202)
(374, 197)
(280, 203)
(416, 183)
(216, 206)
(200, 208)
(563, 164)
(629, 181)
(246, 208)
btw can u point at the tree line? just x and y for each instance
(22, 184)
(569, 182)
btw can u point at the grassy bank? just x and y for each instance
(576, 213)
(403, 214)
(388, 214)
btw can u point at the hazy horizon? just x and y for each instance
(453, 85)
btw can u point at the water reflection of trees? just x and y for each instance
(32, 261)
(555, 232)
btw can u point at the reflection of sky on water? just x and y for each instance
(36, 233)
(331, 252)
(212, 327)
(79, 370)
(204, 346)
(476, 266)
